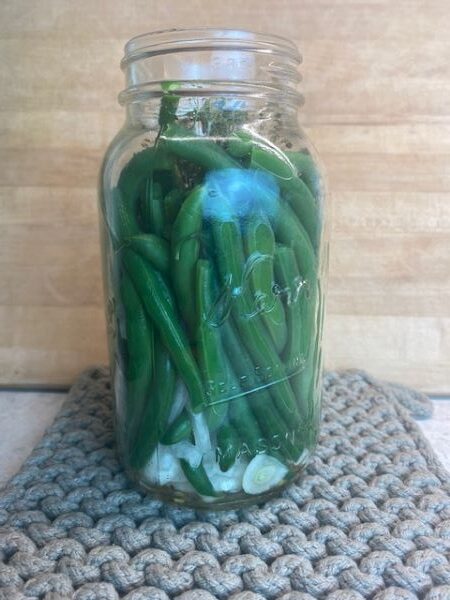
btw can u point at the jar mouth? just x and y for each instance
(207, 39)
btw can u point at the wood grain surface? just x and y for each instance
(377, 85)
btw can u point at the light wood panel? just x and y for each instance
(377, 84)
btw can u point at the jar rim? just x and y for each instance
(167, 41)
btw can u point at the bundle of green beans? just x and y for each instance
(216, 244)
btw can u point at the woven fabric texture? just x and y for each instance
(370, 518)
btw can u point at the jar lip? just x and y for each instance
(207, 38)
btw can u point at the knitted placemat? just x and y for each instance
(369, 519)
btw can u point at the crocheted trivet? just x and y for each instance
(369, 519)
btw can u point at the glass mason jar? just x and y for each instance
(212, 225)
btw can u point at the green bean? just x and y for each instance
(260, 246)
(140, 351)
(317, 386)
(164, 388)
(304, 385)
(239, 146)
(291, 287)
(157, 410)
(160, 306)
(227, 446)
(152, 248)
(198, 478)
(294, 189)
(273, 160)
(185, 251)
(225, 393)
(216, 413)
(123, 221)
(290, 232)
(248, 377)
(180, 429)
(218, 387)
(172, 204)
(307, 384)
(243, 420)
(230, 261)
(240, 415)
(152, 207)
(184, 144)
(300, 309)
(306, 170)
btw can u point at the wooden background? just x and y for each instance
(377, 83)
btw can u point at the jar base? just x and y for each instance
(175, 497)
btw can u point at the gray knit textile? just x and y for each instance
(370, 518)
